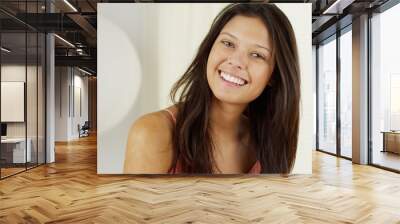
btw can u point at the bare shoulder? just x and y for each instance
(156, 124)
(149, 144)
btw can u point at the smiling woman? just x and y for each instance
(238, 104)
(240, 64)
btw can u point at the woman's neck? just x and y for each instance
(226, 118)
(230, 137)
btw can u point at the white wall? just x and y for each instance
(68, 81)
(61, 103)
(81, 82)
(15, 73)
(144, 48)
(13, 82)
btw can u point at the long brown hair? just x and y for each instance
(273, 116)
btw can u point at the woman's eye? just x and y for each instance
(227, 43)
(257, 55)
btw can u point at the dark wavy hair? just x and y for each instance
(273, 116)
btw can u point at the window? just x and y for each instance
(327, 96)
(385, 89)
(346, 93)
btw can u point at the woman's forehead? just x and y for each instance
(247, 29)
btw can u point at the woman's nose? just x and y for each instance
(238, 59)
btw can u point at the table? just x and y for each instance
(391, 141)
(16, 147)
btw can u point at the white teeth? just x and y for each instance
(232, 79)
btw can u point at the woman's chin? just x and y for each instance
(229, 98)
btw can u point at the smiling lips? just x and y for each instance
(232, 79)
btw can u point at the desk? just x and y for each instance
(391, 141)
(16, 147)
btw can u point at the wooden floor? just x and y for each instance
(70, 191)
(10, 171)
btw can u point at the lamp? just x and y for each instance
(5, 50)
(64, 40)
(70, 5)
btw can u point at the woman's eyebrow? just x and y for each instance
(234, 37)
(266, 48)
(231, 35)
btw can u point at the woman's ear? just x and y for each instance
(271, 81)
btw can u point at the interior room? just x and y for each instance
(49, 158)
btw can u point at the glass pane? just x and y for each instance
(13, 86)
(41, 98)
(314, 66)
(23, 89)
(31, 85)
(31, 100)
(327, 97)
(386, 89)
(346, 94)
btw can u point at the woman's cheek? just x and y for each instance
(262, 78)
(221, 52)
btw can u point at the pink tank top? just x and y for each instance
(255, 169)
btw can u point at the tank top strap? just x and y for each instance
(172, 115)
(256, 169)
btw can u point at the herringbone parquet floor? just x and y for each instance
(70, 191)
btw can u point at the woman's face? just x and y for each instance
(240, 63)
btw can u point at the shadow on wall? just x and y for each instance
(136, 95)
